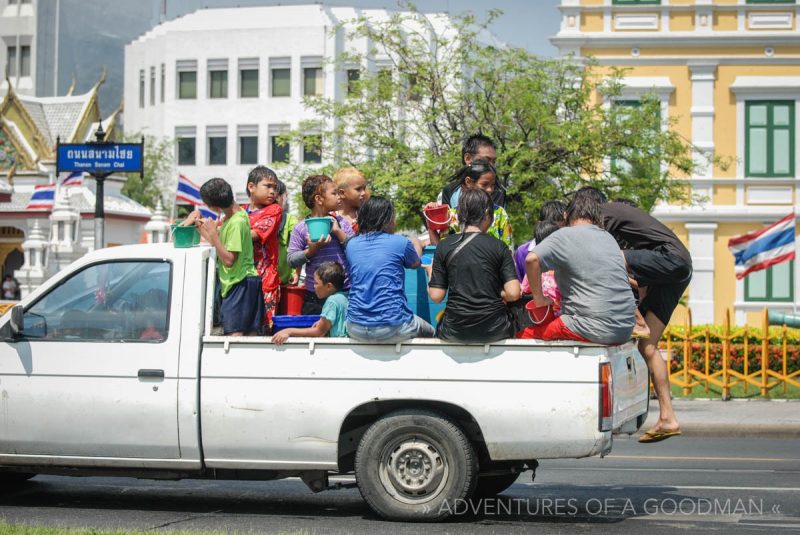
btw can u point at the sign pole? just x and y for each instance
(99, 198)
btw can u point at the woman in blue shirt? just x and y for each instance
(378, 309)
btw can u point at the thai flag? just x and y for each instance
(189, 193)
(43, 197)
(764, 247)
(71, 179)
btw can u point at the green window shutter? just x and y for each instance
(774, 284)
(769, 138)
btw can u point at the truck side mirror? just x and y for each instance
(17, 321)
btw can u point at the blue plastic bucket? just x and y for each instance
(416, 289)
(284, 322)
(318, 227)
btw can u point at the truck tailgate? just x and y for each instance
(629, 382)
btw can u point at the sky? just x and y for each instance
(524, 23)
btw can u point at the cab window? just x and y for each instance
(110, 302)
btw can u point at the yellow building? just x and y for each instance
(729, 71)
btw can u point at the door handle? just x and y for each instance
(151, 374)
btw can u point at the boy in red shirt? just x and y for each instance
(265, 220)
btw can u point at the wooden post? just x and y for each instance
(726, 388)
(764, 353)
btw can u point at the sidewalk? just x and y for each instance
(716, 418)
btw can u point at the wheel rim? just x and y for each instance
(413, 469)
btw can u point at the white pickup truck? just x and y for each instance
(111, 368)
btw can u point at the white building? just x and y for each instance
(18, 45)
(226, 82)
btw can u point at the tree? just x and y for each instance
(553, 120)
(156, 182)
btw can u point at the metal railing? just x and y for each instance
(697, 361)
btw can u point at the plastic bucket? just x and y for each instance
(318, 227)
(284, 322)
(438, 217)
(184, 236)
(540, 315)
(292, 299)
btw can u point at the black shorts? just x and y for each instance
(666, 276)
(312, 306)
(243, 308)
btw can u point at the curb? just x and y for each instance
(740, 430)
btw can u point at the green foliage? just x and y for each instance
(159, 162)
(404, 126)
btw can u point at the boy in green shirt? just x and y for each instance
(242, 304)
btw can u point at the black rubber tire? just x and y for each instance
(491, 486)
(418, 435)
(9, 480)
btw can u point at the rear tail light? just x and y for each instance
(606, 404)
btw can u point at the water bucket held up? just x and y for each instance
(183, 237)
(438, 217)
(318, 227)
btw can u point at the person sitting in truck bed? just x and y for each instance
(597, 304)
(476, 272)
(329, 287)
(379, 310)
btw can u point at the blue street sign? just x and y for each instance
(100, 157)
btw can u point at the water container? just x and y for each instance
(438, 217)
(417, 291)
(292, 299)
(300, 322)
(184, 236)
(318, 227)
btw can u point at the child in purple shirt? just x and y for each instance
(321, 196)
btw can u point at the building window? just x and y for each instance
(312, 150)
(626, 162)
(11, 54)
(281, 82)
(141, 88)
(217, 150)
(163, 80)
(152, 86)
(248, 149)
(248, 83)
(769, 138)
(635, 2)
(772, 284)
(187, 151)
(187, 84)
(218, 84)
(353, 86)
(279, 151)
(25, 61)
(312, 81)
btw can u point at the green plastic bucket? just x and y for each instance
(318, 227)
(184, 236)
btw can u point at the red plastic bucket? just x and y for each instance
(540, 315)
(438, 217)
(292, 299)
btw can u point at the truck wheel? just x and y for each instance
(491, 486)
(415, 465)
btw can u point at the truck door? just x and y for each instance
(94, 373)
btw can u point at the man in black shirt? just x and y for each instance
(662, 268)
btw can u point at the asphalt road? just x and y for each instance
(688, 485)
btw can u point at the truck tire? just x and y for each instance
(491, 486)
(415, 465)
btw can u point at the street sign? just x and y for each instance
(100, 157)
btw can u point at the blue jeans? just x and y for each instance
(416, 328)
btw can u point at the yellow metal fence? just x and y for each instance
(724, 358)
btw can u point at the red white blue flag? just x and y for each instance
(43, 197)
(71, 179)
(764, 247)
(189, 193)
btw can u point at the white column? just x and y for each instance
(701, 289)
(703, 75)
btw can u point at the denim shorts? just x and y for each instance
(416, 328)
